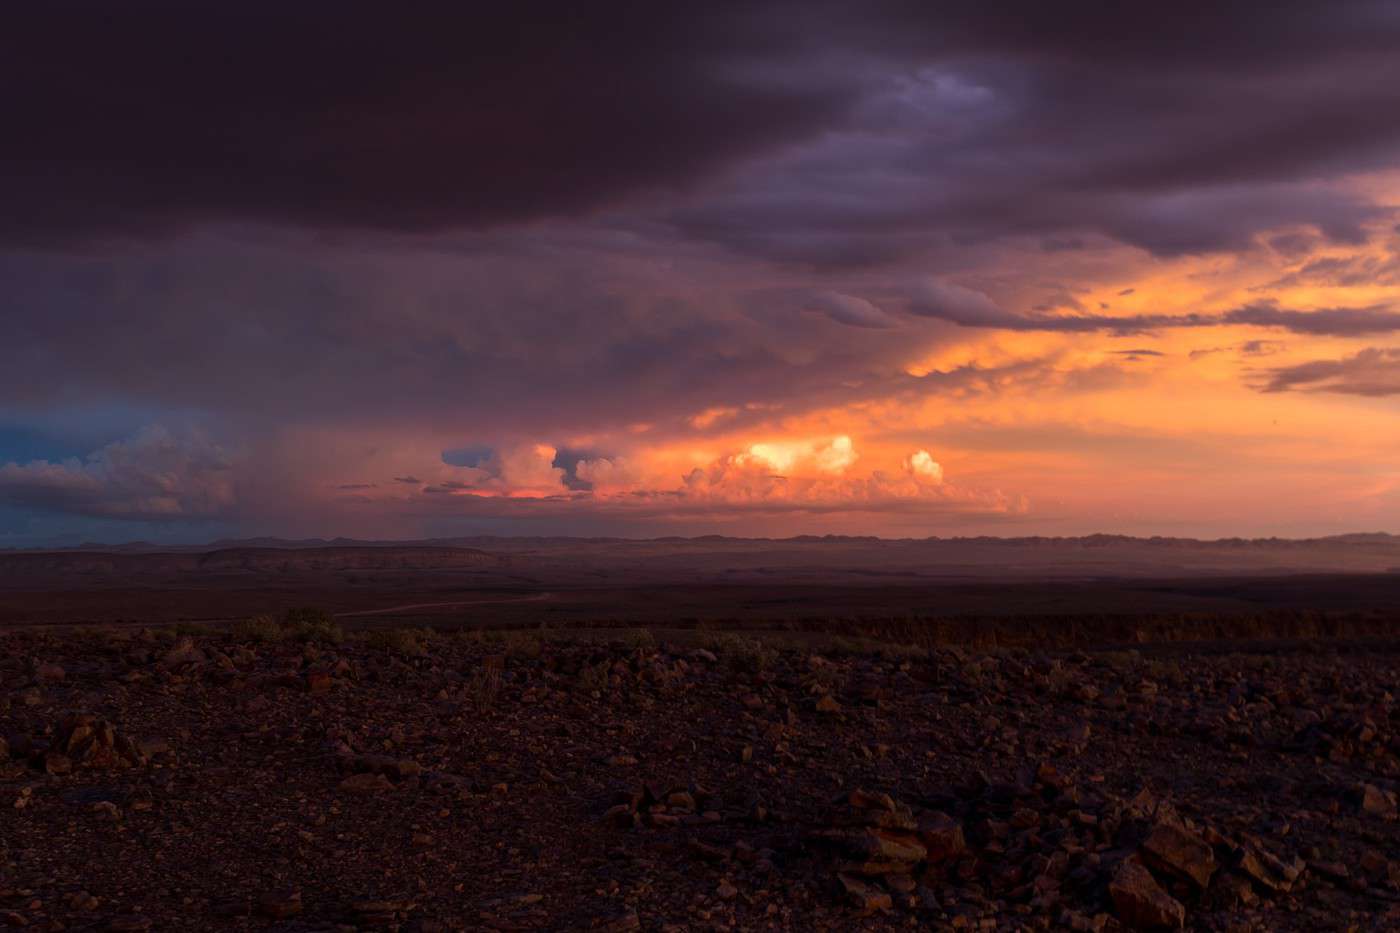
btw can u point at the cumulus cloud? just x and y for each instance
(1373, 372)
(738, 481)
(530, 468)
(921, 465)
(517, 469)
(835, 455)
(815, 475)
(608, 474)
(154, 476)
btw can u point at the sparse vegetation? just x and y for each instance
(743, 653)
(594, 677)
(513, 643)
(639, 638)
(410, 642)
(842, 645)
(299, 625)
(523, 644)
(484, 686)
(260, 629)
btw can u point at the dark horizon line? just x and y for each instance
(274, 542)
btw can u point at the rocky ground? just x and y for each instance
(287, 777)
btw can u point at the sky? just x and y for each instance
(640, 269)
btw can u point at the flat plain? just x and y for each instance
(698, 735)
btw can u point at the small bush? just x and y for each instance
(307, 624)
(522, 644)
(484, 686)
(326, 633)
(594, 677)
(639, 638)
(300, 625)
(747, 655)
(260, 629)
(409, 642)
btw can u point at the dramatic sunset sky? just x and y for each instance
(315, 269)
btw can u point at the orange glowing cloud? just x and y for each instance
(1185, 395)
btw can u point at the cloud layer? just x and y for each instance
(967, 308)
(920, 122)
(898, 267)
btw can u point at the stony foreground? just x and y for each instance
(298, 780)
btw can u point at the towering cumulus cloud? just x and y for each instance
(154, 475)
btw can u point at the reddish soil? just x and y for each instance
(607, 781)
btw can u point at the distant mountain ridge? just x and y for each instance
(484, 542)
(712, 559)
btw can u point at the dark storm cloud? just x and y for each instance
(470, 456)
(518, 340)
(1177, 129)
(1373, 372)
(568, 459)
(1171, 128)
(152, 114)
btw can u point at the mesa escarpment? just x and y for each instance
(720, 560)
(26, 566)
(1127, 589)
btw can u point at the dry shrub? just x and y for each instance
(641, 638)
(410, 642)
(594, 677)
(299, 625)
(484, 686)
(747, 655)
(260, 629)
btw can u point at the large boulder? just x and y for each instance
(1140, 902)
(941, 835)
(1181, 854)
